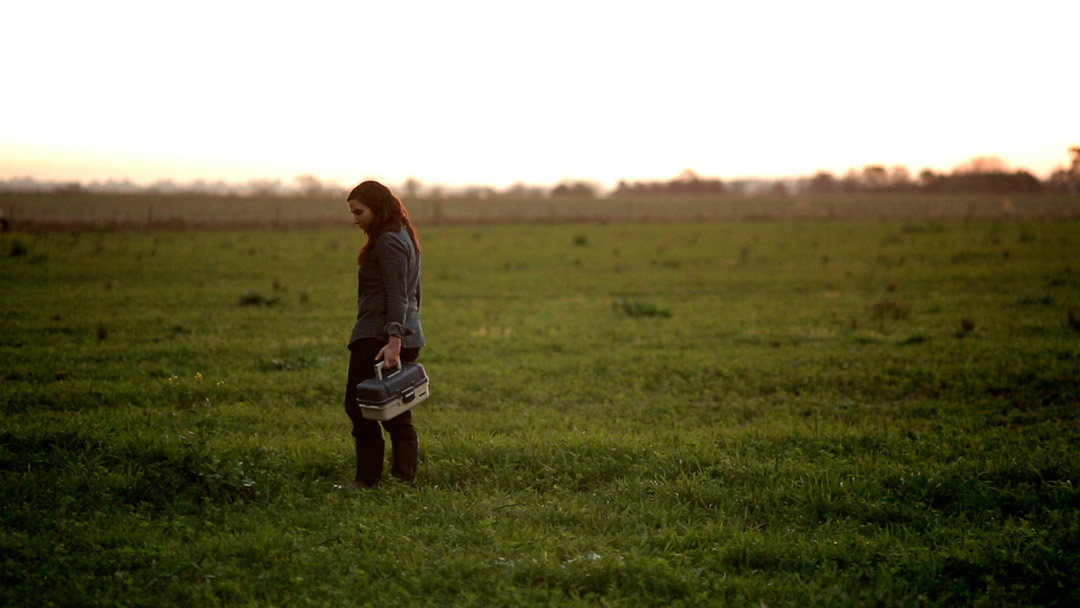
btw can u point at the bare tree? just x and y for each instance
(263, 186)
(687, 176)
(578, 188)
(875, 177)
(982, 164)
(823, 182)
(899, 178)
(309, 184)
(1066, 180)
(850, 182)
(927, 178)
(523, 190)
(411, 188)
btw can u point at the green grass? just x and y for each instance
(778, 413)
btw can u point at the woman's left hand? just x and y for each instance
(390, 354)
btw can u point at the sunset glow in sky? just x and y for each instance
(487, 92)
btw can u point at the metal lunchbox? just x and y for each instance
(384, 397)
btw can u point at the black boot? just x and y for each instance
(406, 454)
(369, 463)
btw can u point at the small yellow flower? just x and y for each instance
(198, 376)
(173, 379)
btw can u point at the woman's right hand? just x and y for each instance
(390, 354)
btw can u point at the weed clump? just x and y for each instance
(639, 309)
(1072, 315)
(18, 250)
(254, 298)
(1030, 298)
(890, 308)
(286, 365)
(744, 256)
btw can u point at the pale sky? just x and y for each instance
(495, 92)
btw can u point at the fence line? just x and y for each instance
(85, 210)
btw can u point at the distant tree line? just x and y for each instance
(980, 174)
(687, 182)
(988, 174)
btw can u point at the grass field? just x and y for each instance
(744, 413)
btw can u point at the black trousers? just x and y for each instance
(361, 367)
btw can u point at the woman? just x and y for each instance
(387, 325)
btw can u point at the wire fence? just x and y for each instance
(51, 211)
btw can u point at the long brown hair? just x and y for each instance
(388, 214)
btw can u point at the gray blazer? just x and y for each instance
(388, 292)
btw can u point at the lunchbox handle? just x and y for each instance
(379, 367)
